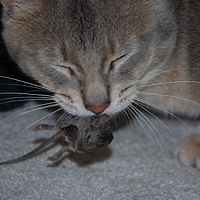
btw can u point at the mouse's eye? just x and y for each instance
(70, 70)
(116, 62)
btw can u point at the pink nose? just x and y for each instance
(98, 109)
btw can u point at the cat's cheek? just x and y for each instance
(114, 109)
(81, 112)
(71, 106)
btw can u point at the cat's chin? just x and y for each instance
(80, 113)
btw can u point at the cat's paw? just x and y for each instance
(188, 152)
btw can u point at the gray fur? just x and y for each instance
(86, 31)
(114, 51)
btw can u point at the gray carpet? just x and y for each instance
(134, 167)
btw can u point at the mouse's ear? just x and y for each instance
(6, 3)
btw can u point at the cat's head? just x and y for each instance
(93, 54)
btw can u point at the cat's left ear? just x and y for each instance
(6, 3)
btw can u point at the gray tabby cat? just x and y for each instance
(99, 56)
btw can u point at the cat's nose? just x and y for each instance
(97, 109)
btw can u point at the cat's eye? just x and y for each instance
(115, 62)
(71, 71)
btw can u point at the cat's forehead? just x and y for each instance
(86, 20)
(93, 24)
(89, 27)
(89, 17)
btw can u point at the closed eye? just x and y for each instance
(114, 62)
(71, 71)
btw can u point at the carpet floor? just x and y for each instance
(134, 167)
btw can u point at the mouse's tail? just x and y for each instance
(35, 151)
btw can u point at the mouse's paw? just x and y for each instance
(188, 152)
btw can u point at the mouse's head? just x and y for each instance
(93, 55)
(87, 139)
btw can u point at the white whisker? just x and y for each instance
(34, 123)
(146, 132)
(160, 121)
(171, 82)
(123, 116)
(49, 106)
(24, 93)
(24, 97)
(175, 97)
(160, 109)
(157, 139)
(67, 115)
(24, 100)
(182, 69)
(21, 81)
(115, 120)
(22, 85)
(137, 118)
(17, 113)
(127, 117)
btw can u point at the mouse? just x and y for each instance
(78, 135)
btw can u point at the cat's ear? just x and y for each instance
(6, 3)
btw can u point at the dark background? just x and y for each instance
(9, 69)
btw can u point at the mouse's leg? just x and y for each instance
(59, 154)
(188, 152)
(41, 127)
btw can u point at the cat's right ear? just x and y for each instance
(7, 3)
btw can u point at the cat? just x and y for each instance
(100, 56)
